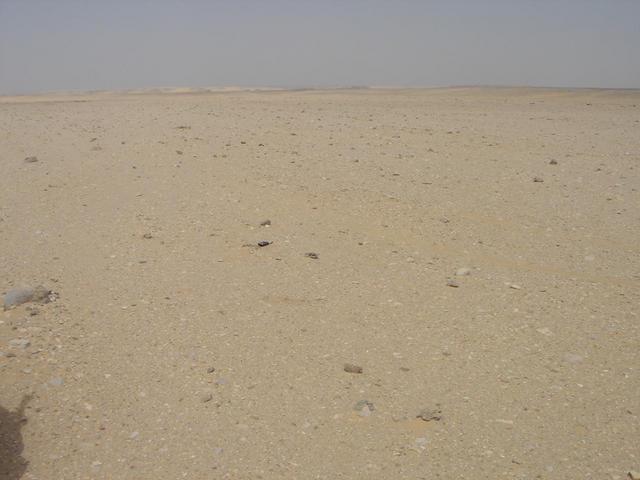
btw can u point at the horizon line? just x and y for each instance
(235, 88)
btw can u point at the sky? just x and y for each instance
(67, 45)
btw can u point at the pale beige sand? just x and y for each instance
(394, 191)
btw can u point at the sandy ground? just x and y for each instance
(178, 348)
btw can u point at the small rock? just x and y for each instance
(364, 408)
(573, 358)
(56, 382)
(462, 272)
(18, 296)
(351, 368)
(452, 283)
(211, 369)
(311, 255)
(42, 295)
(633, 475)
(538, 179)
(428, 415)
(21, 343)
(515, 287)
(265, 223)
(179, 152)
(147, 236)
(264, 243)
(553, 162)
(33, 159)
(420, 443)
(206, 397)
(362, 404)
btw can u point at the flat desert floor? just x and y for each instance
(476, 252)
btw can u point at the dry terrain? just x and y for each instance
(451, 291)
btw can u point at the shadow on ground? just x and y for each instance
(12, 465)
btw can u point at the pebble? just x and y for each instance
(147, 236)
(19, 343)
(538, 179)
(206, 397)
(573, 358)
(553, 162)
(633, 475)
(452, 283)
(56, 382)
(351, 368)
(421, 443)
(264, 243)
(364, 408)
(429, 414)
(265, 223)
(211, 369)
(462, 272)
(311, 255)
(33, 159)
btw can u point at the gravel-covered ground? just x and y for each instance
(448, 287)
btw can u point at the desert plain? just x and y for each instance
(448, 285)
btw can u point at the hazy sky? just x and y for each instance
(118, 44)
